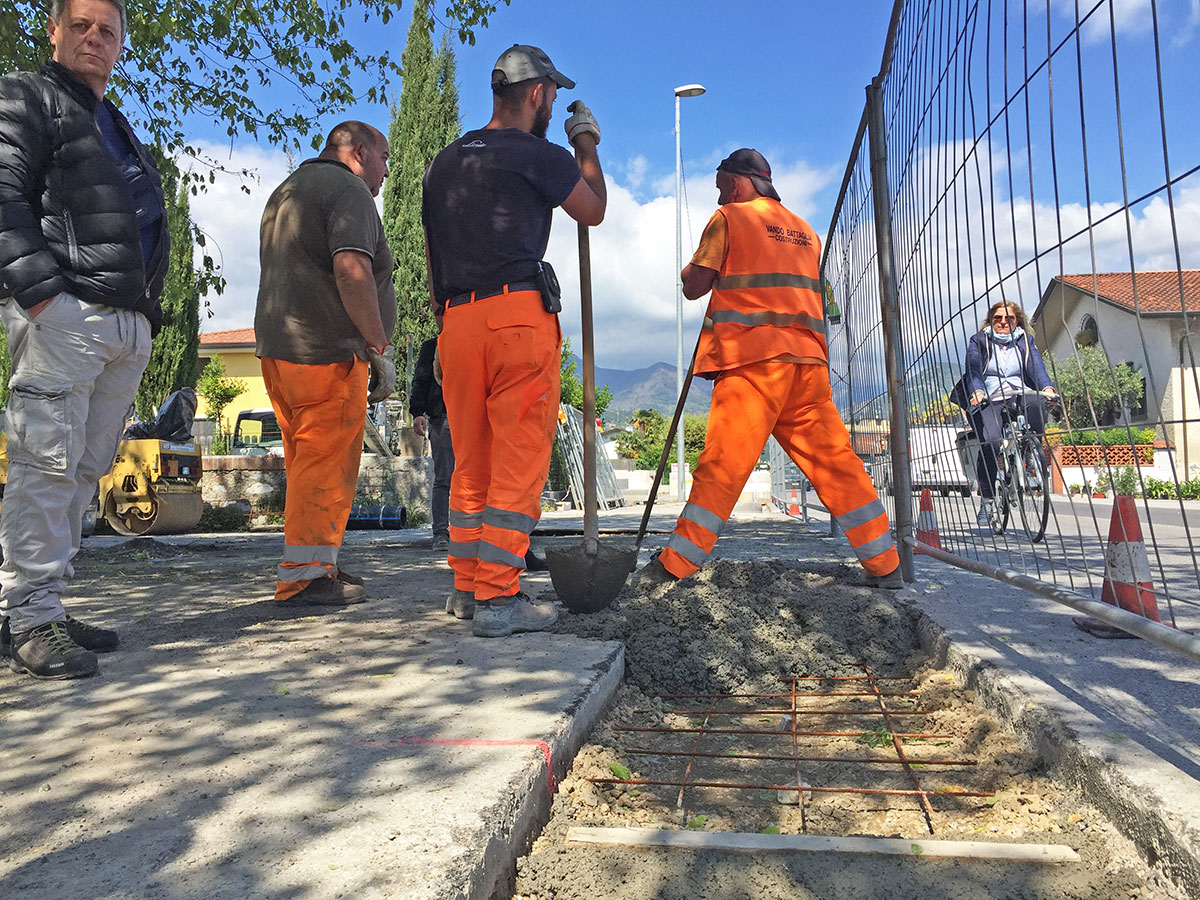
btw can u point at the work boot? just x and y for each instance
(47, 651)
(461, 604)
(346, 578)
(327, 591)
(90, 637)
(892, 581)
(441, 542)
(652, 574)
(534, 563)
(985, 513)
(503, 616)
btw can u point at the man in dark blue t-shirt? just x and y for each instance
(487, 205)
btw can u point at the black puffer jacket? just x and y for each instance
(67, 218)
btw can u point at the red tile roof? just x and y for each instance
(232, 337)
(1157, 292)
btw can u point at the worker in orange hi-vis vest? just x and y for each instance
(763, 345)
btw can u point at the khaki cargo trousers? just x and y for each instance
(75, 371)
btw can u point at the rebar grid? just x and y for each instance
(712, 707)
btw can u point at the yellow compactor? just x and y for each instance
(153, 488)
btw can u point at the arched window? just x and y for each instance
(1088, 334)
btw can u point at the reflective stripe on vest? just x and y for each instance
(781, 320)
(767, 280)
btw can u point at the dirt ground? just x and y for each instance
(742, 628)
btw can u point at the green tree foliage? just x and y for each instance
(571, 393)
(424, 122)
(218, 392)
(644, 444)
(1086, 378)
(173, 356)
(210, 59)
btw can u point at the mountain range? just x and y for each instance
(651, 387)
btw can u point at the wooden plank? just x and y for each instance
(744, 842)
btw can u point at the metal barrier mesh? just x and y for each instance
(1040, 155)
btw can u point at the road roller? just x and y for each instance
(153, 488)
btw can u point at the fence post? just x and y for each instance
(890, 306)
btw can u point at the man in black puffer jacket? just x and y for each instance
(83, 255)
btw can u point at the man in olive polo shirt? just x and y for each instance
(326, 307)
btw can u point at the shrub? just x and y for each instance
(1190, 489)
(1157, 489)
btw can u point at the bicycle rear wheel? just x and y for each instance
(1033, 488)
(998, 517)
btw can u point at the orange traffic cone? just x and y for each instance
(1127, 581)
(927, 526)
(793, 507)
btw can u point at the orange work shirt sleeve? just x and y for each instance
(714, 244)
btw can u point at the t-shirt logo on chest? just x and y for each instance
(475, 143)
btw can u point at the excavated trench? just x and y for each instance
(712, 725)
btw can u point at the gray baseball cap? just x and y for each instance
(521, 62)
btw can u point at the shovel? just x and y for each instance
(587, 577)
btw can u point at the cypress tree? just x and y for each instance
(173, 356)
(424, 122)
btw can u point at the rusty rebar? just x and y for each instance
(887, 721)
(771, 757)
(654, 729)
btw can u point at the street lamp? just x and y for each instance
(687, 90)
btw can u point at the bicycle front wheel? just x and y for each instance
(1033, 487)
(998, 517)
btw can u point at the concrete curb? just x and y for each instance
(511, 826)
(1146, 798)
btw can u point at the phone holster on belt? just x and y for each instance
(548, 286)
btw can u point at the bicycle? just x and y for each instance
(1022, 480)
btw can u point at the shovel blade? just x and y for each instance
(588, 582)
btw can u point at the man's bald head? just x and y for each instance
(363, 149)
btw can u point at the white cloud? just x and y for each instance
(633, 252)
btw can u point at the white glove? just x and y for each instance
(383, 373)
(582, 121)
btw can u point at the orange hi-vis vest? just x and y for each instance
(766, 300)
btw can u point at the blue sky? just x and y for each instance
(785, 77)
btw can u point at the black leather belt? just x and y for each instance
(472, 296)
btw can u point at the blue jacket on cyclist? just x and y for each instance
(1005, 377)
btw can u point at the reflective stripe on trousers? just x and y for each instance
(792, 402)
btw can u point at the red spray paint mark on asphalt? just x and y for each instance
(467, 742)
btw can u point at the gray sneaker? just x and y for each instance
(461, 604)
(985, 513)
(508, 615)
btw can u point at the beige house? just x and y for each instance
(1150, 320)
(236, 348)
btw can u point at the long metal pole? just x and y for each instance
(890, 307)
(679, 486)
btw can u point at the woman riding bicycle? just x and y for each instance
(1004, 373)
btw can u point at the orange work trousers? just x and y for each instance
(501, 362)
(794, 403)
(322, 411)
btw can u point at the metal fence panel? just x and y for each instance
(1041, 155)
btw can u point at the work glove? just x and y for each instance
(383, 373)
(581, 121)
(437, 365)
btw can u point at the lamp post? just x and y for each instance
(686, 90)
